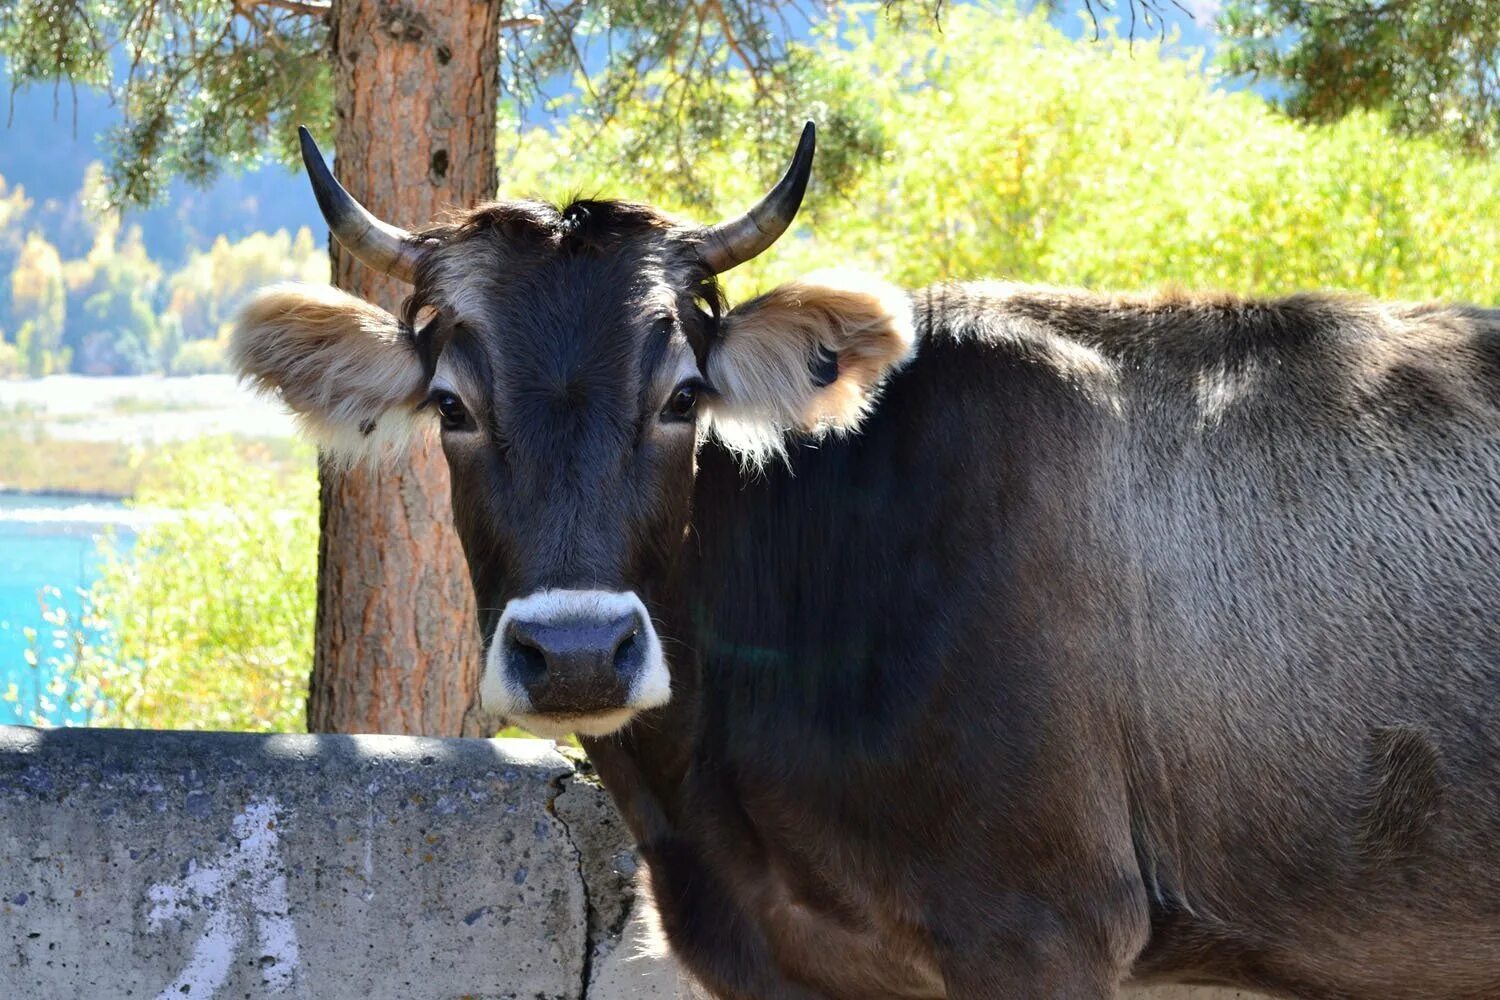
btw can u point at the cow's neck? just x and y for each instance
(789, 592)
(797, 582)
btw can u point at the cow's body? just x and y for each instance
(1125, 636)
(1075, 640)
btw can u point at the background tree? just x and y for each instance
(39, 306)
(111, 325)
(14, 207)
(1433, 65)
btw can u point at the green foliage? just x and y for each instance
(1011, 151)
(206, 621)
(1431, 64)
(203, 84)
(14, 208)
(675, 58)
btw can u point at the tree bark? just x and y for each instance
(397, 648)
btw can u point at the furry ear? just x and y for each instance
(348, 369)
(808, 354)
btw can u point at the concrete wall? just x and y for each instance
(139, 864)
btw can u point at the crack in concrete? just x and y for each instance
(559, 786)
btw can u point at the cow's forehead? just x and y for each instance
(482, 254)
(565, 325)
(528, 295)
(480, 283)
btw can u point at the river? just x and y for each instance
(46, 542)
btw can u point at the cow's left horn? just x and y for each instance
(373, 243)
(731, 243)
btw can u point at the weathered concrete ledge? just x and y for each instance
(147, 864)
(195, 865)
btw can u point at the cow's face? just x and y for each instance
(568, 356)
(572, 361)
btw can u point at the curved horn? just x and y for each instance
(372, 242)
(731, 243)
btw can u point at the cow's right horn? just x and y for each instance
(731, 243)
(373, 243)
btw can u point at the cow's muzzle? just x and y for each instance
(574, 661)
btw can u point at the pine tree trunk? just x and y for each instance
(397, 649)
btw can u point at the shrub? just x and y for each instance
(206, 621)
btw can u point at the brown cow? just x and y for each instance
(981, 641)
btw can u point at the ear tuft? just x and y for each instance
(809, 354)
(347, 368)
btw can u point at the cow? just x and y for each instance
(978, 641)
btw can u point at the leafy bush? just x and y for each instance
(200, 357)
(1004, 149)
(206, 622)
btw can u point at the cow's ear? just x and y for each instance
(810, 353)
(349, 370)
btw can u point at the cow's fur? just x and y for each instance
(765, 366)
(1126, 638)
(1130, 637)
(347, 368)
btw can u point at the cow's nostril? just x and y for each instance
(527, 660)
(629, 653)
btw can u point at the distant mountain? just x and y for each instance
(51, 134)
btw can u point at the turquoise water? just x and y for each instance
(46, 542)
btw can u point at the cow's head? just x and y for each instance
(573, 360)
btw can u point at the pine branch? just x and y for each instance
(311, 8)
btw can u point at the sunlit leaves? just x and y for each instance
(206, 621)
(205, 85)
(1006, 150)
(38, 306)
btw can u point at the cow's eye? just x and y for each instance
(683, 403)
(451, 410)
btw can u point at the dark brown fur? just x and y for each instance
(1122, 639)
